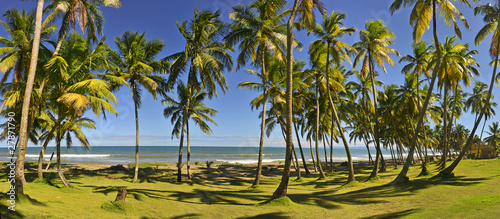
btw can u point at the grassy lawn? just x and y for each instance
(224, 192)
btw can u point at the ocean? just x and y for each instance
(126, 154)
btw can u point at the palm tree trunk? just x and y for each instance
(481, 137)
(331, 149)
(136, 171)
(184, 122)
(50, 160)
(312, 156)
(326, 153)
(297, 163)
(40, 158)
(445, 125)
(336, 116)
(281, 191)
(59, 170)
(365, 138)
(449, 170)
(376, 136)
(20, 181)
(188, 151)
(262, 123)
(402, 175)
(318, 161)
(301, 152)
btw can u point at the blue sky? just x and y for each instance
(237, 124)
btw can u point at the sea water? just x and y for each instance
(169, 154)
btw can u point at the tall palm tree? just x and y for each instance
(135, 63)
(330, 32)
(204, 59)
(418, 64)
(423, 12)
(197, 111)
(374, 49)
(259, 30)
(307, 19)
(20, 181)
(492, 25)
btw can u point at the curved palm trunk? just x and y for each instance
(136, 171)
(281, 191)
(337, 120)
(59, 170)
(262, 123)
(20, 181)
(318, 161)
(40, 158)
(424, 164)
(449, 170)
(301, 152)
(50, 160)
(188, 151)
(402, 175)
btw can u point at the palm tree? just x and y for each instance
(330, 32)
(494, 135)
(491, 14)
(422, 13)
(14, 53)
(197, 111)
(204, 59)
(307, 19)
(374, 49)
(418, 65)
(259, 30)
(74, 90)
(135, 63)
(20, 181)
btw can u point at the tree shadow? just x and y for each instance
(150, 193)
(377, 194)
(268, 215)
(191, 215)
(398, 214)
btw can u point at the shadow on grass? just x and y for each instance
(268, 215)
(186, 216)
(377, 194)
(398, 214)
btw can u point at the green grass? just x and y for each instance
(474, 192)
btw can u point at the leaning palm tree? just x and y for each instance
(204, 59)
(423, 12)
(197, 111)
(259, 30)
(491, 14)
(330, 33)
(374, 50)
(135, 63)
(20, 181)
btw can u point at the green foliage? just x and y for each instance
(209, 164)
